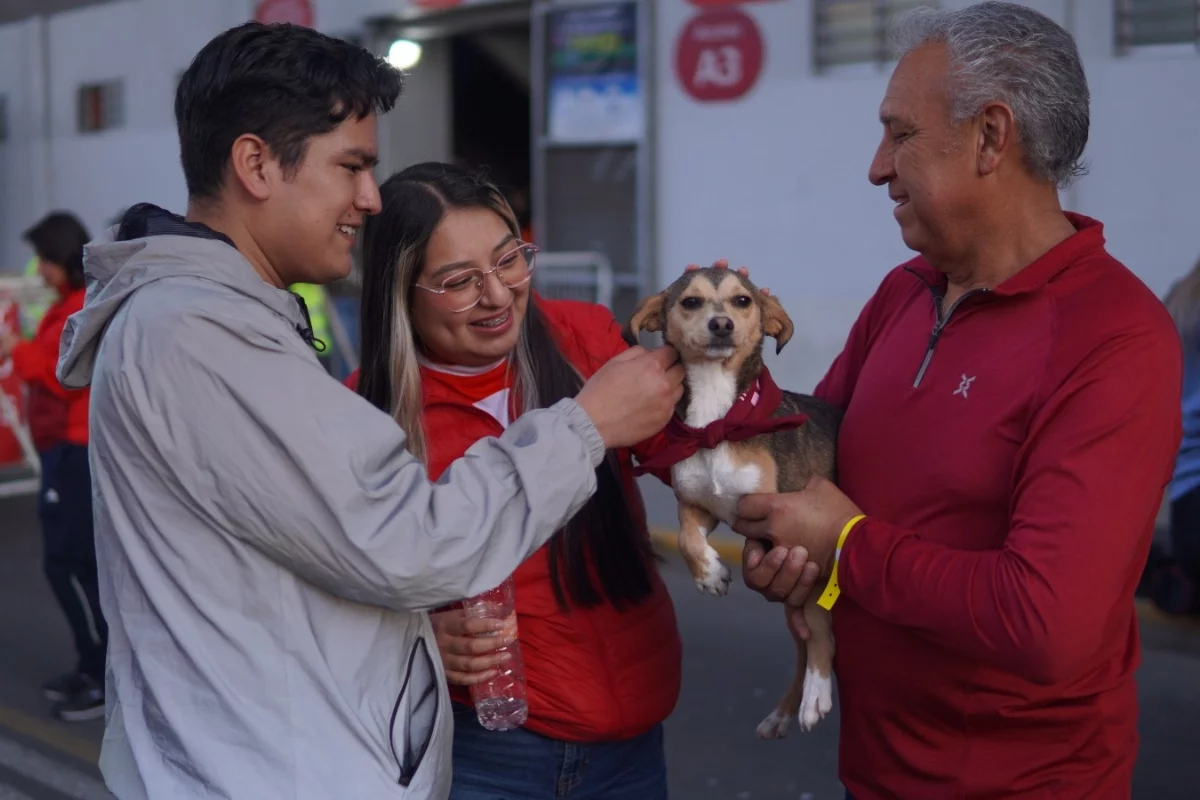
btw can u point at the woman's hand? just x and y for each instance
(468, 645)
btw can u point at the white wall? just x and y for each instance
(777, 181)
(147, 43)
(23, 155)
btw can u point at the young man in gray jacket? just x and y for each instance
(268, 547)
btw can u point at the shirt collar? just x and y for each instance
(1088, 236)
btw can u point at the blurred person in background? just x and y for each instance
(1174, 577)
(455, 346)
(58, 422)
(316, 303)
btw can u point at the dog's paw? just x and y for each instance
(817, 700)
(716, 576)
(775, 726)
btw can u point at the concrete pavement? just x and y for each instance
(40, 757)
(738, 657)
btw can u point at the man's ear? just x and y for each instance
(248, 163)
(650, 315)
(996, 136)
(776, 322)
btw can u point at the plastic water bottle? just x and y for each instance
(502, 702)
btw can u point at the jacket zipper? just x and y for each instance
(943, 319)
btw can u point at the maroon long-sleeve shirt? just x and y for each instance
(1011, 458)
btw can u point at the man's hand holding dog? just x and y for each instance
(803, 528)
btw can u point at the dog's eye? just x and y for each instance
(742, 301)
(691, 303)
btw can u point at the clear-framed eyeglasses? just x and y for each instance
(463, 290)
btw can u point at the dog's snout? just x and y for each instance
(721, 326)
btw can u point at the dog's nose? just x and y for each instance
(721, 326)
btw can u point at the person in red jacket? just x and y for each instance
(58, 422)
(1012, 416)
(454, 345)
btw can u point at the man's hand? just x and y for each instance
(809, 521)
(632, 397)
(779, 574)
(468, 645)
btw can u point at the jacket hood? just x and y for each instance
(148, 245)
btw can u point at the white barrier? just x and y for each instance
(23, 291)
(25, 478)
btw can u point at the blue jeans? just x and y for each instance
(520, 765)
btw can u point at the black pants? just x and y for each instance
(69, 551)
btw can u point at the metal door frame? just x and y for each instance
(644, 278)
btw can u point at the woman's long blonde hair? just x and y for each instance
(602, 544)
(420, 196)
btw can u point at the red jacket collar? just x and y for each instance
(1089, 236)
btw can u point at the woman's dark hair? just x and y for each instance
(59, 238)
(394, 242)
(284, 83)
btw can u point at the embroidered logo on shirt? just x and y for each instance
(964, 385)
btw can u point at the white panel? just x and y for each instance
(778, 180)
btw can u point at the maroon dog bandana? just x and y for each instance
(750, 416)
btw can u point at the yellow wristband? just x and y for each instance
(832, 589)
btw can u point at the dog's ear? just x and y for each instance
(776, 322)
(650, 315)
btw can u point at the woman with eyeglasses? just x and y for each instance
(455, 344)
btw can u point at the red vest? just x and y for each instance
(593, 674)
(56, 415)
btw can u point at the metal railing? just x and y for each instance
(582, 275)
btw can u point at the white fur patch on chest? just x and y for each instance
(711, 479)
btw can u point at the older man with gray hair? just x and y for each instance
(1011, 402)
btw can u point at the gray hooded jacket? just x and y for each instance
(268, 548)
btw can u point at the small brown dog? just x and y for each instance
(736, 433)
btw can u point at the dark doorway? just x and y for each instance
(490, 79)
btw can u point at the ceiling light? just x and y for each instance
(404, 54)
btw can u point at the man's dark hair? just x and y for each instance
(283, 83)
(59, 238)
